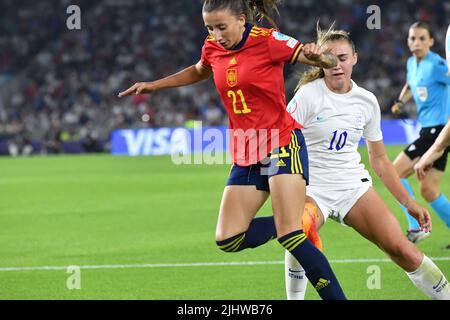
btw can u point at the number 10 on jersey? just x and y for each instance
(340, 143)
(245, 109)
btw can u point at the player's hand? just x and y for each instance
(138, 88)
(312, 52)
(397, 108)
(420, 214)
(422, 170)
(426, 162)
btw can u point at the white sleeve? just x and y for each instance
(372, 129)
(300, 107)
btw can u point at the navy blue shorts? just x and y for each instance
(290, 159)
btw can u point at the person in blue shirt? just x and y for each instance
(428, 82)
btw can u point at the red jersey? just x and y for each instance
(250, 81)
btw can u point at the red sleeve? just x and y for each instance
(204, 59)
(284, 48)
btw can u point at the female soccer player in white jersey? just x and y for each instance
(336, 114)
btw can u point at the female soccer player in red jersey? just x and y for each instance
(268, 148)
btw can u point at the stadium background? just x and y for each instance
(59, 85)
(58, 93)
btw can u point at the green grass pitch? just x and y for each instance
(101, 211)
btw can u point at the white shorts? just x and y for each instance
(336, 204)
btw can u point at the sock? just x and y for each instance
(442, 207)
(430, 280)
(259, 232)
(295, 277)
(317, 268)
(412, 223)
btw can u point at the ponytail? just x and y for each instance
(315, 73)
(262, 9)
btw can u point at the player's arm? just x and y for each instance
(404, 97)
(388, 175)
(313, 55)
(435, 152)
(190, 75)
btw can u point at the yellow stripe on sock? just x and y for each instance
(237, 245)
(228, 245)
(291, 240)
(296, 244)
(286, 242)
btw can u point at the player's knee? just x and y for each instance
(231, 244)
(429, 193)
(401, 174)
(404, 173)
(401, 171)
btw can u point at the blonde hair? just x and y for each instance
(315, 73)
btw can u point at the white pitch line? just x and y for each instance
(195, 264)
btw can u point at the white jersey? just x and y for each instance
(333, 127)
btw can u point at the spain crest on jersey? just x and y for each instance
(232, 77)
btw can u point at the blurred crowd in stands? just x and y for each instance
(59, 85)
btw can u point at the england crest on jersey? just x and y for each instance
(422, 92)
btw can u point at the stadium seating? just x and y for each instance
(61, 85)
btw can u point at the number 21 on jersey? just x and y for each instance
(234, 95)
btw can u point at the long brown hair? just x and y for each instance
(254, 10)
(315, 73)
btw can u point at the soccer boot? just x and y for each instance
(416, 235)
